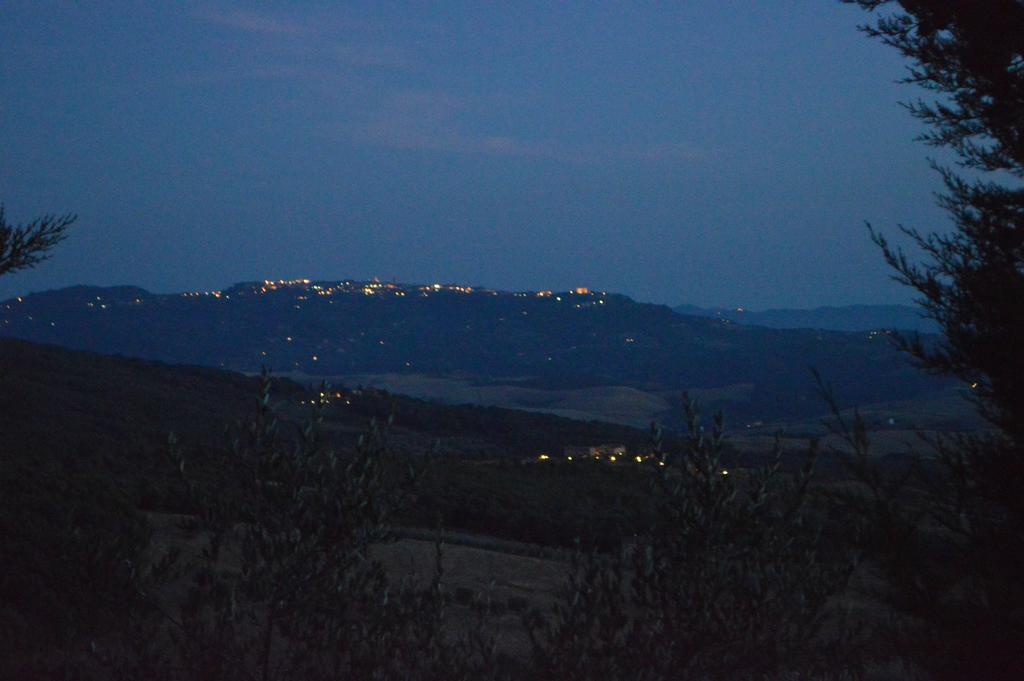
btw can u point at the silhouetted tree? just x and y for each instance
(25, 246)
(43, 555)
(972, 55)
(954, 557)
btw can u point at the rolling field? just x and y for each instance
(896, 424)
(513, 582)
(612, 404)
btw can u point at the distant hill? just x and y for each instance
(535, 340)
(843, 318)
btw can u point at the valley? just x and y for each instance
(578, 353)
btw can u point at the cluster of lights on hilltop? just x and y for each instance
(447, 287)
(371, 288)
(269, 285)
(306, 287)
(201, 294)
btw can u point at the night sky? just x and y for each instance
(714, 152)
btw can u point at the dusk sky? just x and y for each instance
(714, 152)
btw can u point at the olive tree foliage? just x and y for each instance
(949, 555)
(25, 246)
(67, 547)
(48, 524)
(961, 510)
(731, 582)
(971, 55)
(285, 584)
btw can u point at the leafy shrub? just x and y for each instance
(68, 546)
(728, 583)
(947, 535)
(285, 584)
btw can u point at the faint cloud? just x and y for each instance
(370, 54)
(452, 141)
(221, 75)
(324, 35)
(252, 22)
(339, 61)
(449, 140)
(316, 48)
(655, 152)
(438, 122)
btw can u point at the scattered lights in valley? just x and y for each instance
(608, 454)
(326, 397)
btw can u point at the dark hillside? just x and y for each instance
(841, 318)
(115, 414)
(104, 403)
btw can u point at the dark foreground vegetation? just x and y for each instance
(704, 568)
(484, 475)
(681, 570)
(283, 584)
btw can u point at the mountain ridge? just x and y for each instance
(536, 339)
